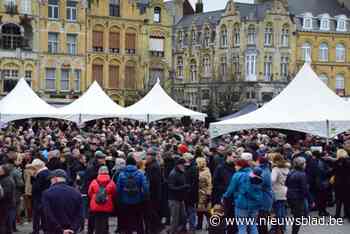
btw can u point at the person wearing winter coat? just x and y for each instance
(153, 174)
(245, 189)
(177, 190)
(297, 190)
(267, 195)
(40, 182)
(133, 192)
(62, 205)
(341, 183)
(204, 192)
(102, 193)
(7, 201)
(191, 173)
(221, 180)
(279, 175)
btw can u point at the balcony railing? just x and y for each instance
(157, 53)
(18, 54)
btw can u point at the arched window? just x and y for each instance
(97, 71)
(324, 78)
(341, 23)
(193, 36)
(324, 22)
(285, 36)
(223, 67)
(340, 53)
(180, 68)
(323, 52)
(130, 76)
(251, 35)
(97, 39)
(268, 35)
(306, 52)
(268, 68)
(284, 67)
(340, 85)
(223, 38)
(250, 66)
(157, 15)
(206, 37)
(193, 70)
(307, 21)
(11, 36)
(206, 65)
(236, 35)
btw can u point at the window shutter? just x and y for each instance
(97, 39)
(130, 41)
(97, 73)
(114, 41)
(130, 77)
(114, 76)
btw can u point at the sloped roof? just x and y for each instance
(317, 7)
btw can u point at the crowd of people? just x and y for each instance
(166, 176)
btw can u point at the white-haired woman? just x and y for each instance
(342, 183)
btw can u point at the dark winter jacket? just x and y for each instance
(192, 179)
(221, 179)
(177, 187)
(55, 163)
(39, 184)
(342, 178)
(90, 174)
(8, 199)
(153, 175)
(63, 208)
(75, 167)
(297, 186)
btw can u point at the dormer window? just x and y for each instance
(341, 24)
(324, 22)
(307, 21)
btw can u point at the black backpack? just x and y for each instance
(132, 188)
(101, 196)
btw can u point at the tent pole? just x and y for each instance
(79, 119)
(147, 118)
(328, 132)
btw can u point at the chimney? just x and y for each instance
(199, 6)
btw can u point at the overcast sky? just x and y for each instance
(211, 5)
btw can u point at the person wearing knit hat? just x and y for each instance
(182, 148)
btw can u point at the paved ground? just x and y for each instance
(343, 229)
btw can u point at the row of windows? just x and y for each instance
(51, 76)
(25, 5)
(208, 37)
(114, 42)
(324, 22)
(54, 43)
(340, 52)
(114, 76)
(250, 67)
(339, 81)
(71, 10)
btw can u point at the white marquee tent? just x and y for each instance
(157, 105)
(22, 103)
(93, 104)
(305, 105)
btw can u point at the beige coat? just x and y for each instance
(205, 189)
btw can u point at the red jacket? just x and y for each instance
(110, 186)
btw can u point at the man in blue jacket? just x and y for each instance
(133, 192)
(245, 189)
(62, 206)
